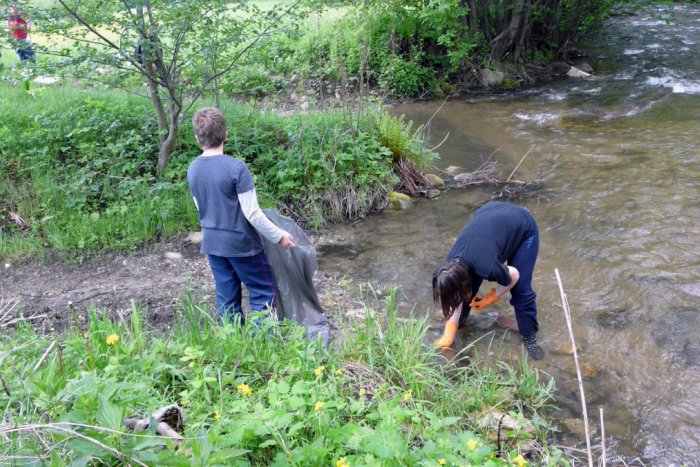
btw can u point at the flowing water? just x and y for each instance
(619, 213)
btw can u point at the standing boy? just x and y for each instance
(18, 29)
(224, 194)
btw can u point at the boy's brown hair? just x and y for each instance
(209, 127)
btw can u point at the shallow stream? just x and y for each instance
(618, 158)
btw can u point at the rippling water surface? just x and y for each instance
(619, 215)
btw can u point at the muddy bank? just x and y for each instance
(154, 279)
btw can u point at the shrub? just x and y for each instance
(79, 168)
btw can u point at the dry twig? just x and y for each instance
(567, 314)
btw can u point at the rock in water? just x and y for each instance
(398, 201)
(585, 67)
(576, 73)
(435, 180)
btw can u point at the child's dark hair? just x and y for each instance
(209, 127)
(452, 285)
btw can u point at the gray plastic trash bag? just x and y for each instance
(294, 271)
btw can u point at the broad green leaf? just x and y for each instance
(109, 415)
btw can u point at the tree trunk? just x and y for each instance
(523, 31)
(160, 111)
(167, 146)
(505, 41)
(473, 16)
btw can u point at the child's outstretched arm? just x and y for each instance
(261, 223)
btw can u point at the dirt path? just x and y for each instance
(154, 279)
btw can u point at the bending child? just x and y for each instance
(224, 194)
(499, 233)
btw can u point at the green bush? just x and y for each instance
(79, 168)
(262, 395)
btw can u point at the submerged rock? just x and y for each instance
(563, 349)
(433, 193)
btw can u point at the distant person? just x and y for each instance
(18, 28)
(499, 234)
(224, 194)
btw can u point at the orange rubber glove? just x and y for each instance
(448, 337)
(480, 304)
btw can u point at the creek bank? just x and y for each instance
(154, 279)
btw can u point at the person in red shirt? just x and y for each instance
(18, 29)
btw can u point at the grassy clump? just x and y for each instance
(263, 395)
(78, 169)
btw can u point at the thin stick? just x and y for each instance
(521, 161)
(602, 434)
(41, 360)
(442, 142)
(567, 314)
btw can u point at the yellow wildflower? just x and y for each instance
(112, 339)
(319, 371)
(338, 372)
(319, 405)
(217, 415)
(442, 461)
(244, 389)
(363, 391)
(471, 444)
(342, 463)
(520, 461)
(408, 395)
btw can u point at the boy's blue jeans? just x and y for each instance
(255, 272)
(25, 50)
(522, 296)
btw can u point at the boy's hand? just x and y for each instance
(480, 304)
(286, 241)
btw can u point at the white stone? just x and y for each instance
(576, 73)
(194, 237)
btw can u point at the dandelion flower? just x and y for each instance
(319, 371)
(319, 405)
(442, 461)
(338, 372)
(244, 389)
(408, 395)
(217, 415)
(112, 339)
(342, 463)
(520, 461)
(471, 444)
(362, 392)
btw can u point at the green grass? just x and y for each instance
(259, 396)
(78, 168)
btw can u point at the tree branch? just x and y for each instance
(82, 21)
(228, 68)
